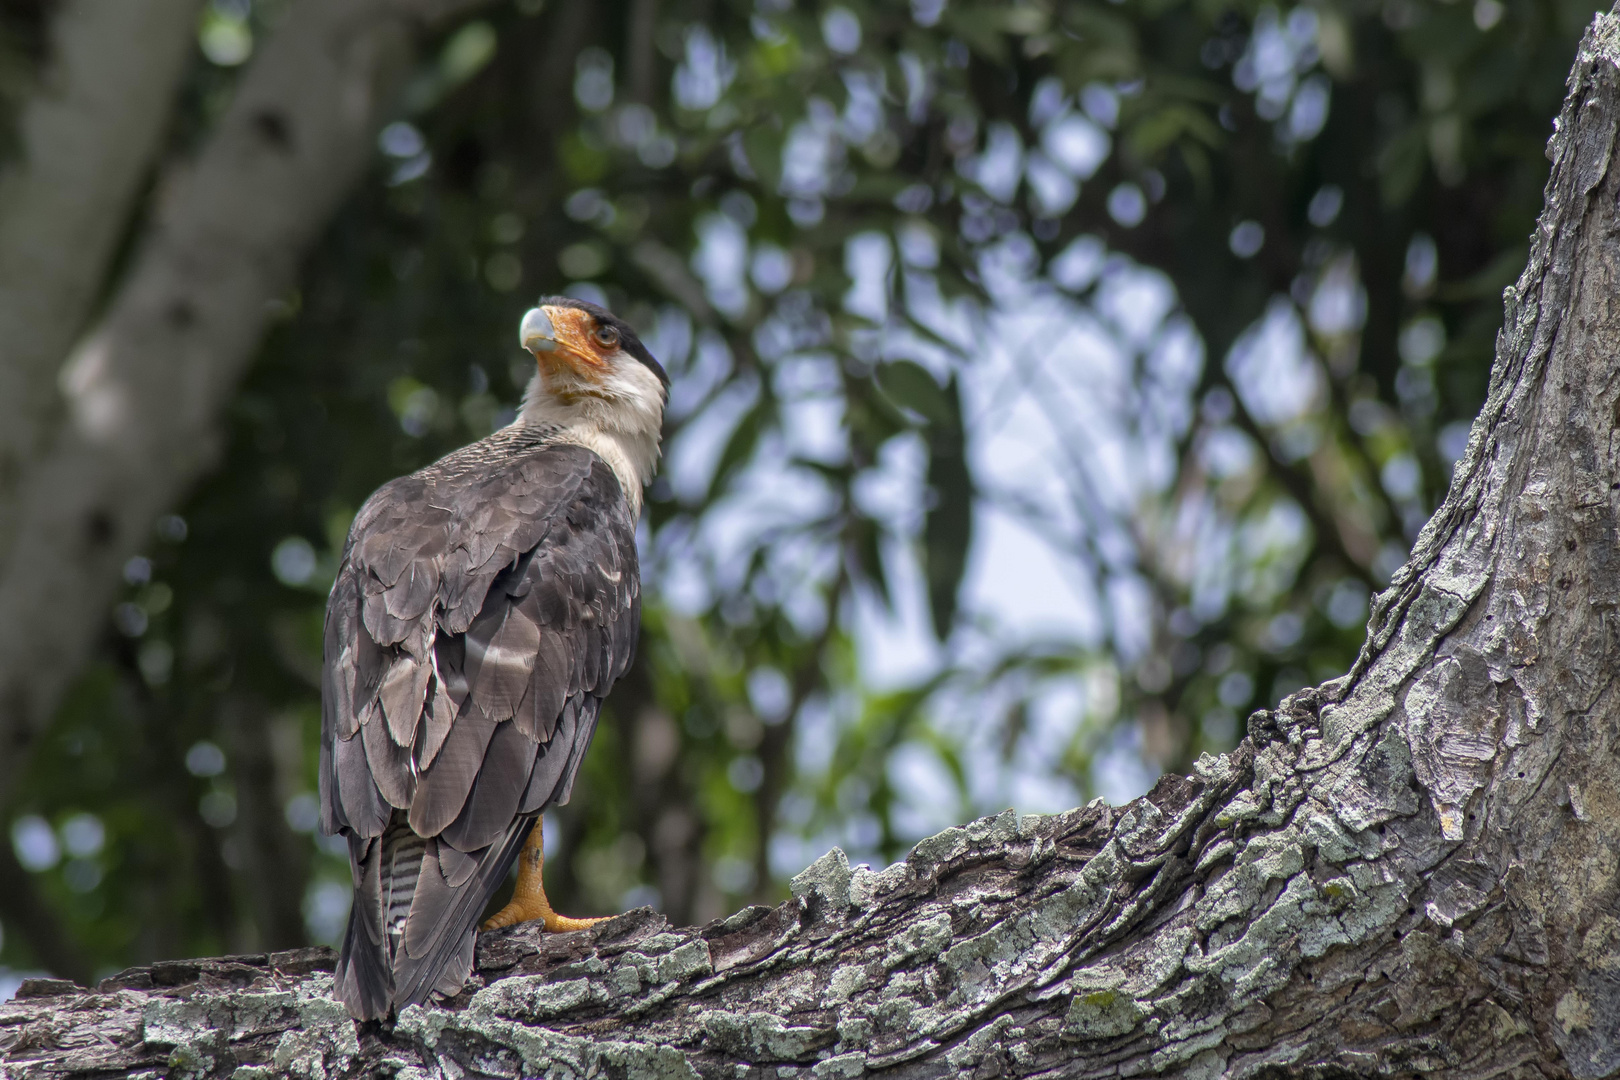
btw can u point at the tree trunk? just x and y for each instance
(1408, 869)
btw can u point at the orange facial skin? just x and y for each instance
(580, 356)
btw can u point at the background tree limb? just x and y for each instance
(87, 137)
(144, 390)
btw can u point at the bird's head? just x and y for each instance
(597, 386)
(585, 351)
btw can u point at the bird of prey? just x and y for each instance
(483, 608)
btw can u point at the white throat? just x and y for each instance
(621, 422)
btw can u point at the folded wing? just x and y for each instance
(478, 618)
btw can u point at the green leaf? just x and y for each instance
(740, 447)
(909, 385)
(763, 143)
(948, 528)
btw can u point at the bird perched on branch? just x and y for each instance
(484, 607)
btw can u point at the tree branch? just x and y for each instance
(145, 389)
(1410, 869)
(88, 135)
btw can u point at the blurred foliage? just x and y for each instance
(1292, 224)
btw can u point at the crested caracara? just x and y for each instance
(483, 608)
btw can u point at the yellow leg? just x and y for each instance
(529, 901)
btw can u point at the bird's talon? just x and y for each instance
(511, 915)
(529, 902)
(518, 912)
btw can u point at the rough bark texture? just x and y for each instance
(1411, 869)
(144, 391)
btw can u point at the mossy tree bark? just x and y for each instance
(1409, 869)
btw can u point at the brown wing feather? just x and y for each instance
(553, 777)
(401, 693)
(501, 647)
(483, 609)
(389, 763)
(443, 935)
(492, 805)
(542, 707)
(444, 787)
(364, 810)
(457, 866)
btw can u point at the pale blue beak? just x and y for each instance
(536, 333)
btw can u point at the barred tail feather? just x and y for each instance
(438, 951)
(403, 855)
(412, 925)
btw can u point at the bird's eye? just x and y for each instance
(607, 336)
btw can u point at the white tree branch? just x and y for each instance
(87, 137)
(144, 391)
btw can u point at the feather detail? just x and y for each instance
(456, 968)
(433, 952)
(332, 817)
(362, 980)
(493, 803)
(410, 596)
(389, 763)
(363, 806)
(341, 649)
(383, 627)
(370, 662)
(444, 786)
(554, 760)
(450, 663)
(542, 706)
(403, 856)
(457, 866)
(585, 727)
(429, 901)
(500, 655)
(401, 694)
(435, 724)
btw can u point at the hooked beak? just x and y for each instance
(536, 333)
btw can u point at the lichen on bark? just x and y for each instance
(1410, 869)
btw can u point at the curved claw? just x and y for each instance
(531, 911)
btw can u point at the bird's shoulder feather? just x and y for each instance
(499, 584)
